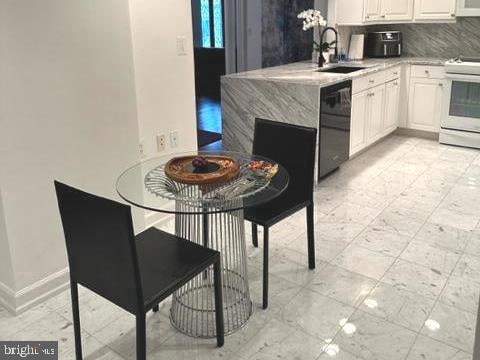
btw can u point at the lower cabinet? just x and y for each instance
(425, 104)
(368, 111)
(392, 104)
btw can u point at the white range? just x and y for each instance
(460, 124)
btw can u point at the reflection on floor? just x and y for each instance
(209, 121)
(397, 277)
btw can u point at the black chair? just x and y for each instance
(135, 273)
(293, 147)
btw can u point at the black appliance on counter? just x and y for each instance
(383, 44)
(334, 134)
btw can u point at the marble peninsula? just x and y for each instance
(288, 93)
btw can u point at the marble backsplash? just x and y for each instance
(429, 40)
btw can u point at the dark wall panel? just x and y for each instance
(283, 40)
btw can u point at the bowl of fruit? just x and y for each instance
(263, 168)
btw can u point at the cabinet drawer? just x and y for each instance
(428, 72)
(393, 73)
(368, 81)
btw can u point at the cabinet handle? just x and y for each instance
(383, 16)
(452, 15)
(395, 83)
(371, 81)
(367, 17)
(427, 72)
(395, 73)
(441, 85)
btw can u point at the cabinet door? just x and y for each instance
(375, 114)
(425, 104)
(357, 125)
(373, 10)
(348, 12)
(397, 10)
(435, 9)
(392, 102)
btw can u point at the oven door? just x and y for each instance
(463, 103)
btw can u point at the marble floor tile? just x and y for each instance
(369, 198)
(468, 268)
(334, 352)
(121, 335)
(280, 291)
(398, 306)
(426, 348)
(473, 244)
(423, 195)
(280, 341)
(11, 324)
(446, 216)
(349, 212)
(92, 349)
(316, 314)
(443, 236)
(404, 275)
(382, 241)
(341, 231)
(461, 293)
(412, 209)
(364, 262)
(398, 224)
(95, 311)
(409, 167)
(452, 326)
(374, 339)
(441, 260)
(342, 285)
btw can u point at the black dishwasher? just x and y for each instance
(334, 127)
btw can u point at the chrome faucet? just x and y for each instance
(326, 45)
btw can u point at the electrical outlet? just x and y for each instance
(174, 138)
(160, 143)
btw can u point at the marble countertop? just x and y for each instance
(306, 72)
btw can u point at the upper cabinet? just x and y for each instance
(435, 9)
(397, 10)
(468, 8)
(362, 12)
(373, 10)
(388, 10)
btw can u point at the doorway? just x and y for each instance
(209, 55)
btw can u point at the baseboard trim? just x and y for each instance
(417, 133)
(26, 298)
(7, 298)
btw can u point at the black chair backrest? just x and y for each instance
(293, 147)
(101, 246)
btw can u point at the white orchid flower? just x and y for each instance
(311, 19)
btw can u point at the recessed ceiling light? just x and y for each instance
(432, 325)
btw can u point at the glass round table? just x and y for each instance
(210, 215)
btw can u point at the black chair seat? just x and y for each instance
(180, 261)
(274, 211)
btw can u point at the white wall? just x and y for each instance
(165, 81)
(67, 112)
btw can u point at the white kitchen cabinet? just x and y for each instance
(359, 116)
(425, 104)
(392, 102)
(347, 12)
(435, 9)
(373, 10)
(375, 114)
(468, 8)
(397, 10)
(367, 118)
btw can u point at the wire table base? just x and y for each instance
(193, 310)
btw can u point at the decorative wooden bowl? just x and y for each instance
(219, 169)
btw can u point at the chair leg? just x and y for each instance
(141, 337)
(217, 275)
(76, 320)
(311, 237)
(255, 235)
(265, 267)
(155, 308)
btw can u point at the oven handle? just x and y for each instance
(463, 77)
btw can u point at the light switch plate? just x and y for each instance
(181, 45)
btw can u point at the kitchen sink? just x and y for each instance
(341, 69)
